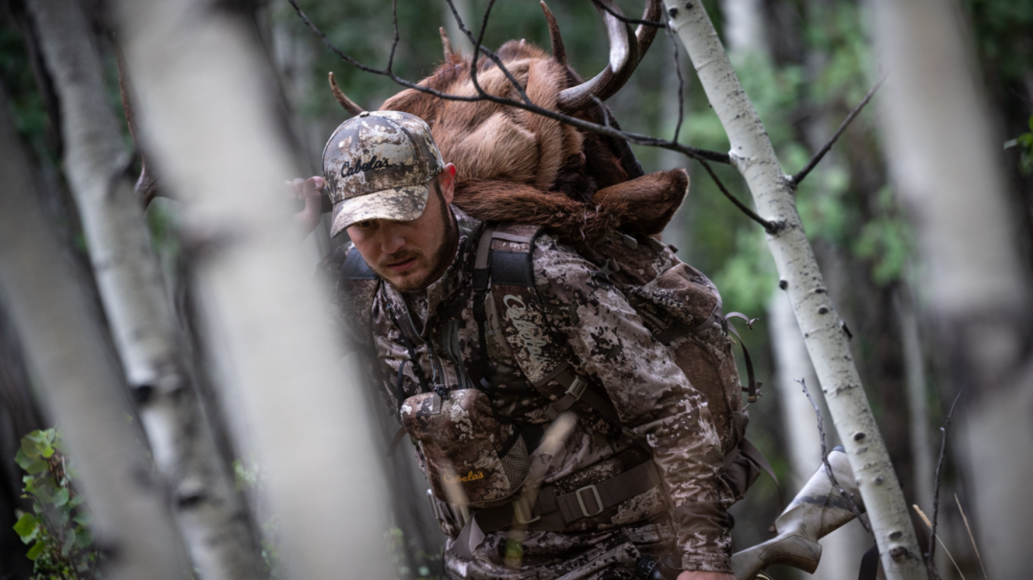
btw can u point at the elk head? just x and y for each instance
(516, 165)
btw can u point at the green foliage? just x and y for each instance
(886, 241)
(249, 478)
(59, 527)
(426, 563)
(1024, 143)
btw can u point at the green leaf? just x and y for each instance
(59, 519)
(83, 537)
(27, 527)
(21, 459)
(36, 550)
(36, 466)
(61, 497)
(44, 489)
(82, 518)
(69, 543)
(76, 501)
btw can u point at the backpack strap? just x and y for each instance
(504, 257)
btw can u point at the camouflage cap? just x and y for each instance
(378, 165)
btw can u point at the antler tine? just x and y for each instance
(646, 33)
(450, 54)
(626, 50)
(558, 51)
(348, 104)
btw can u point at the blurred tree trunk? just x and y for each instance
(214, 527)
(208, 114)
(826, 340)
(68, 355)
(944, 153)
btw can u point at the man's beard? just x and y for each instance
(438, 263)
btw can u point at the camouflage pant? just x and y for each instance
(606, 555)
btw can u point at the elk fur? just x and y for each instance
(518, 166)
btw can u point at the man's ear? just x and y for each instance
(447, 182)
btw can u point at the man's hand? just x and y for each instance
(310, 190)
(700, 575)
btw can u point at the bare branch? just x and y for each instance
(681, 85)
(639, 139)
(478, 48)
(394, 41)
(795, 180)
(825, 459)
(627, 20)
(768, 226)
(936, 483)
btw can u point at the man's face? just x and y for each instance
(411, 255)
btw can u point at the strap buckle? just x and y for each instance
(523, 512)
(577, 388)
(581, 500)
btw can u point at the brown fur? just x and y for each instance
(650, 200)
(514, 165)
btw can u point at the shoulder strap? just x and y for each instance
(504, 256)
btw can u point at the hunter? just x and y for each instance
(624, 489)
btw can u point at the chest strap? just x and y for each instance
(553, 511)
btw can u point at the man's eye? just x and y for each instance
(364, 224)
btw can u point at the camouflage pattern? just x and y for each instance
(377, 166)
(603, 337)
(464, 445)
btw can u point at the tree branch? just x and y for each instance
(825, 459)
(794, 181)
(936, 483)
(768, 226)
(479, 48)
(681, 84)
(627, 20)
(691, 152)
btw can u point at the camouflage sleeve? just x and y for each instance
(651, 394)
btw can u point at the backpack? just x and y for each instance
(678, 304)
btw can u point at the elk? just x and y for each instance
(518, 166)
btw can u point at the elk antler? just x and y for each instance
(558, 52)
(348, 104)
(626, 50)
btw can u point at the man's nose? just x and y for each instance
(391, 239)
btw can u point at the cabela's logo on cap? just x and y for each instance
(374, 163)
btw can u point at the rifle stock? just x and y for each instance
(816, 511)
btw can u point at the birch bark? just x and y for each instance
(208, 512)
(945, 163)
(206, 113)
(67, 353)
(827, 343)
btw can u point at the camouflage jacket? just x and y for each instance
(606, 341)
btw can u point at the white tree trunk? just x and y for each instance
(826, 341)
(842, 549)
(209, 513)
(67, 352)
(945, 162)
(206, 113)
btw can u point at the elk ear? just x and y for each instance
(645, 205)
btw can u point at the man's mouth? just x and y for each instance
(402, 265)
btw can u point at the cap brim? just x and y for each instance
(398, 204)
